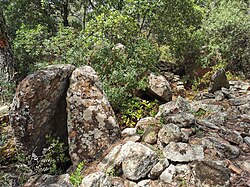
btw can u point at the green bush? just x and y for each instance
(54, 159)
(136, 109)
(28, 48)
(225, 33)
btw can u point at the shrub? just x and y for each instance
(76, 177)
(136, 109)
(226, 31)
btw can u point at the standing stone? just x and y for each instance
(219, 80)
(159, 88)
(91, 121)
(39, 108)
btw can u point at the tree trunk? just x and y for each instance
(65, 13)
(7, 65)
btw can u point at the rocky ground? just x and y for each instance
(191, 142)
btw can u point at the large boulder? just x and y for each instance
(134, 160)
(92, 125)
(219, 80)
(39, 108)
(159, 88)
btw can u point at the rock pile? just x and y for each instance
(195, 143)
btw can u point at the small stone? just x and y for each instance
(147, 121)
(231, 136)
(129, 132)
(180, 119)
(49, 181)
(219, 96)
(210, 174)
(132, 159)
(151, 138)
(96, 179)
(168, 174)
(247, 140)
(137, 160)
(183, 152)
(182, 104)
(169, 133)
(158, 168)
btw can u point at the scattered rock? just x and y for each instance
(219, 80)
(135, 159)
(211, 175)
(169, 133)
(151, 183)
(223, 148)
(49, 181)
(151, 137)
(219, 95)
(231, 136)
(158, 168)
(159, 88)
(129, 132)
(247, 140)
(180, 119)
(168, 174)
(147, 121)
(95, 180)
(4, 109)
(91, 121)
(183, 152)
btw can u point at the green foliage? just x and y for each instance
(225, 31)
(6, 91)
(76, 177)
(54, 158)
(28, 47)
(136, 109)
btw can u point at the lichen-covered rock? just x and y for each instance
(129, 132)
(219, 80)
(49, 181)
(39, 108)
(92, 125)
(151, 183)
(158, 168)
(209, 174)
(159, 87)
(183, 152)
(168, 174)
(231, 136)
(169, 133)
(180, 119)
(223, 148)
(97, 179)
(135, 160)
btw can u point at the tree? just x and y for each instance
(7, 65)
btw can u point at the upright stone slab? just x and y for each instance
(159, 88)
(91, 122)
(39, 108)
(219, 80)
